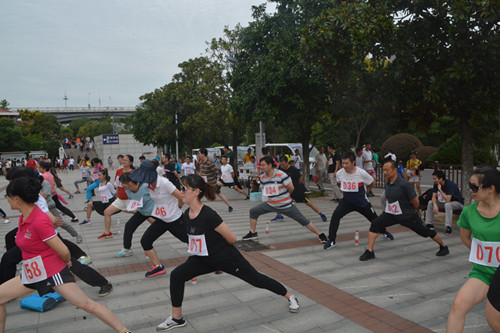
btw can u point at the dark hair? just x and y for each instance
(131, 159)
(45, 165)
(95, 160)
(155, 162)
(105, 174)
(268, 160)
(227, 147)
(330, 145)
(119, 156)
(358, 149)
(196, 182)
(439, 174)
(488, 176)
(265, 151)
(142, 157)
(284, 159)
(203, 151)
(18, 172)
(26, 188)
(349, 155)
(391, 162)
(125, 178)
(223, 156)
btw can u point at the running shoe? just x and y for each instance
(77, 192)
(323, 217)
(443, 250)
(124, 253)
(105, 236)
(218, 272)
(86, 221)
(367, 255)
(74, 219)
(170, 323)
(370, 194)
(85, 260)
(230, 209)
(247, 198)
(6, 221)
(105, 290)
(448, 230)
(322, 238)
(388, 235)
(430, 226)
(70, 196)
(278, 217)
(156, 270)
(330, 245)
(293, 304)
(79, 239)
(250, 236)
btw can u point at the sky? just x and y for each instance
(111, 51)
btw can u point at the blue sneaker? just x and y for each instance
(323, 217)
(329, 245)
(278, 217)
(388, 235)
(85, 222)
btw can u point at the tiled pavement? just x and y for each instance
(406, 289)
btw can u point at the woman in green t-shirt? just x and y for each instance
(480, 232)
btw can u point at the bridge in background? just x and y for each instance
(67, 114)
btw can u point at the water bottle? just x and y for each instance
(118, 226)
(267, 228)
(356, 238)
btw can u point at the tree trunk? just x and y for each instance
(467, 155)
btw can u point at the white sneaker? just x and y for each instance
(293, 305)
(6, 221)
(170, 323)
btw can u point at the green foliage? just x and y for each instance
(424, 153)
(401, 144)
(36, 122)
(11, 138)
(4, 104)
(66, 132)
(76, 124)
(96, 127)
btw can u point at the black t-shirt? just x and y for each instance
(449, 188)
(332, 162)
(205, 224)
(294, 175)
(399, 196)
(170, 174)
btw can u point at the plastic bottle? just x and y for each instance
(118, 226)
(267, 228)
(194, 280)
(356, 238)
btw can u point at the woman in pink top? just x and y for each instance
(45, 258)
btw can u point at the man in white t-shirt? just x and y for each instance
(227, 177)
(321, 164)
(359, 157)
(297, 159)
(71, 163)
(188, 167)
(369, 164)
(354, 182)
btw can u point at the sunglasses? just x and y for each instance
(474, 188)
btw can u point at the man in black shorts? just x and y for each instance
(209, 174)
(298, 194)
(228, 177)
(400, 208)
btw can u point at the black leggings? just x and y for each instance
(234, 264)
(63, 209)
(345, 208)
(86, 273)
(159, 227)
(130, 227)
(412, 222)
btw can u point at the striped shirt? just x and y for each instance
(275, 190)
(207, 169)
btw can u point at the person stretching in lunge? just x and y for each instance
(211, 248)
(276, 187)
(400, 208)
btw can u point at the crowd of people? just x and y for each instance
(170, 199)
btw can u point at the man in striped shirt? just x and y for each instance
(208, 172)
(276, 187)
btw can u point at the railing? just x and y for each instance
(80, 109)
(452, 172)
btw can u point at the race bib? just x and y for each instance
(33, 270)
(134, 204)
(117, 182)
(330, 161)
(95, 176)
(440, 197)
(485, 253)
(271, 189)
(160, 211)
(104, 199)
(393, 208)
(349, 186)
(197, 245)
(224, 177)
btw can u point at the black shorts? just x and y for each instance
(217, 189)
(230, 185)
(100, 207)
(58, 182)
(45, 286)
(494, 291)
(300, 197)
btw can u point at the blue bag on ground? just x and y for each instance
(41, 303)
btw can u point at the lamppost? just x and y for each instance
(88, 101)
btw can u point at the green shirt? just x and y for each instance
(483, 229)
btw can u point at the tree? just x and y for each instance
(4, 104)
(11, 138)
(75, 125)
(272, 82)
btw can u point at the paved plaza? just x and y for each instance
(405, 289)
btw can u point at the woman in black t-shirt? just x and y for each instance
(211, 248)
